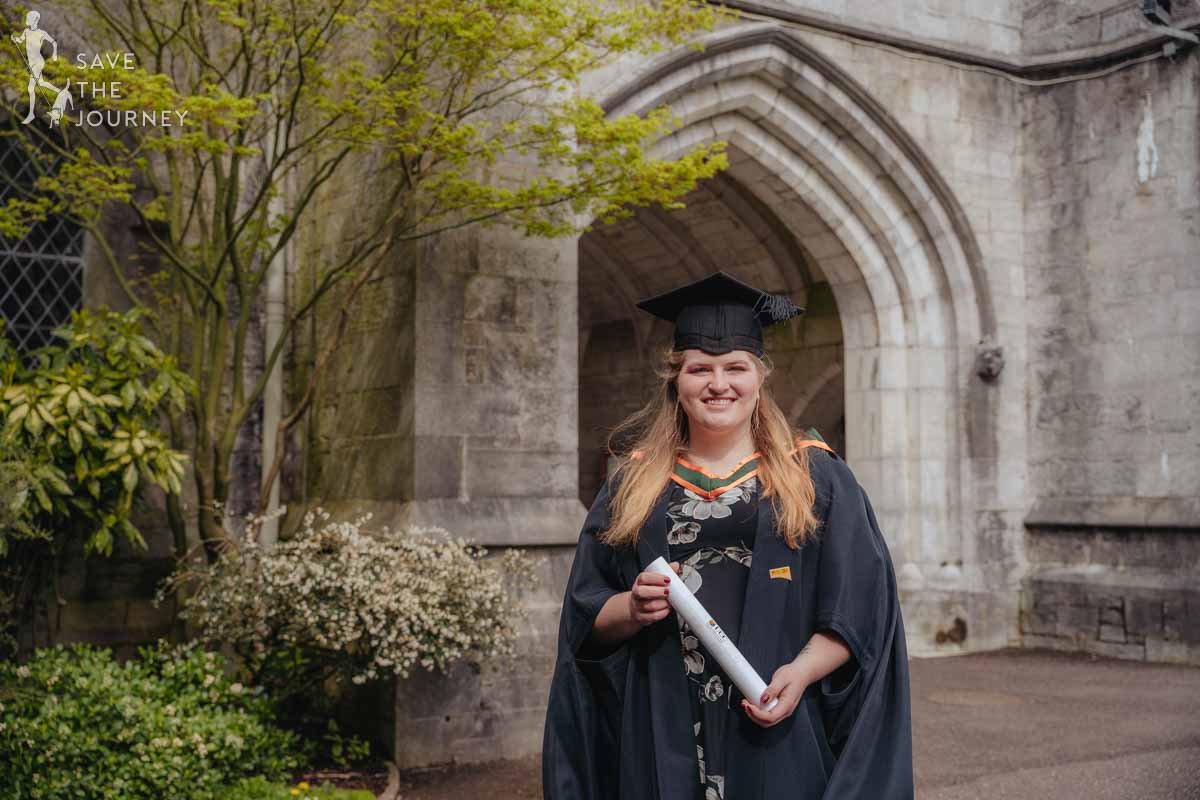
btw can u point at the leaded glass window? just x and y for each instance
(41, 276)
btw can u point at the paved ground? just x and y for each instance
(1019, 724)
(1012, 724)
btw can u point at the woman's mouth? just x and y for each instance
(718, 402)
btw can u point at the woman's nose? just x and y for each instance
(718, 381)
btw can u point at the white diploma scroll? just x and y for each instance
(709, 632)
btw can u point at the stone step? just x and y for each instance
(1139, 614)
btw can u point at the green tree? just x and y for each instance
(269, 94)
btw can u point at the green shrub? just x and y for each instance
(76, 725)
(260, 789)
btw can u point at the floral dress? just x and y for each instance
(713, 523)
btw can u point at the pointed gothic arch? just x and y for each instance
(864, 207)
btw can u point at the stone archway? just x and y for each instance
(829, 189)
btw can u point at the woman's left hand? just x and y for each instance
(788, 684)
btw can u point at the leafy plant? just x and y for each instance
(79, 416)
(79, 726)
(344, 751)
(17, 476)
(17, 528)
(17, 479)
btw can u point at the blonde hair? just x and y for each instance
(660, 434)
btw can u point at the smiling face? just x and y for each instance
(718, 393)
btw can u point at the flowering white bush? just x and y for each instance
(337, 602)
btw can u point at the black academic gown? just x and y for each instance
(618, 724)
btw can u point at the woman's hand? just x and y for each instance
(648, 597)
(824, 652)
(626, 613)
(788, 684)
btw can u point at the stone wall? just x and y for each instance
(987, 26)
(1016, 33)
(358, 440)
(1112, 219)
(452, 399)
(453, 402)
(1049, 27)
(1120, 592)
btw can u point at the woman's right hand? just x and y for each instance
(648, 597)
(626, 613)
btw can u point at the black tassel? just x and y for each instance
(777, 307)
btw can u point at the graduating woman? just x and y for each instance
(778, 541)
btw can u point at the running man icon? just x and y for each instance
(34, 37)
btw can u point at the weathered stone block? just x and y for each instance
(1152, 607)
(378, 469)
(1174, 616)
(821, 331)
(1167, 651)
(113, 623)
(447, 409)
(1133, 652)
(438, 467)
(491, 298)
(1112, 633)
(516, 688)
(428, 695)
(1078, 621)
(1042, 619)
(1190, 622)
(1144, 616)
(377, 412)
(514, 358)
(507, 473)
(1112, 611)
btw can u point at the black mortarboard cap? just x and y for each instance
(719, 314)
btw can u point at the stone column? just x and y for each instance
(494, 441)
(495, 433)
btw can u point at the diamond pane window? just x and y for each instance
(41, 276)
